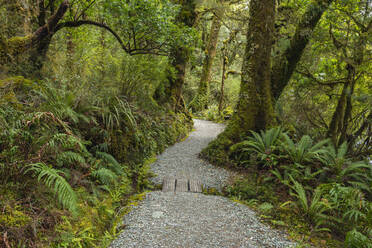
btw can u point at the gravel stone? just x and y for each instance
(188, 220)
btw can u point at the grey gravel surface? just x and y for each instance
(188, 220)
(181, 160)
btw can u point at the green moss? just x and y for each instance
(13, 87)
(14, 217)
(17, 81)
(13, 47)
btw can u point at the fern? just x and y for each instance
(313, 210)
(54, 181)
(263, 144)
(304, 150)
(343, 170)
(111, 162)
(105, 176)
(355, 239)
(69, 158)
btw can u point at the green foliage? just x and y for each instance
(148, 25)
(263, 145)
(304, 150)
(328, 189)
(53, 180)
(313, 209)
(342, 169)
(355, 239)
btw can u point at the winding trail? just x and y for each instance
(188, 220)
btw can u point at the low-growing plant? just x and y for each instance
(312, 208)
(341, 169)
(263, 145)
(304, 151)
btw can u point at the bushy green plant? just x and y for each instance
(313, 208)
(355, 239)
(304, 151)
(341, 169)
(264, 145)
(242, 189)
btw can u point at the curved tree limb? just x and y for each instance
(156, 50)
(73, 24)
(51, 25)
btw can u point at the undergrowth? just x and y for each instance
(70, 160)
(312, 189)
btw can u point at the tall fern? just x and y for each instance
(111, 162)
(313, 209)
(105, 176)
(56, 183)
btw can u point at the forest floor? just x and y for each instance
(184, 219)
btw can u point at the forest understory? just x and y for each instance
(92, 90)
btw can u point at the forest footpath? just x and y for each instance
(185, 219)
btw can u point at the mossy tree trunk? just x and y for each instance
(338, 127)
(222, 91)
(39, 40)
(254, 109)
(200, 102)
(284, 66)
(170, 93)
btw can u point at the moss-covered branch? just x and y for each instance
(15, 46)
(284, 66)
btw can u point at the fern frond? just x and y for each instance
(54, 181)
(69, 158)
(111, 161)
(105, 176)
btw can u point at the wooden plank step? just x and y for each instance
(182, 185)
(195, 186)
(169, 184)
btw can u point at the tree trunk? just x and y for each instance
(200, 102)
(335, 126)
(40, 39)
(338, 128)
(222, 92)
(284, 66)
(254, 110)
(170, 93)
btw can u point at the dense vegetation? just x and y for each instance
(91, 90)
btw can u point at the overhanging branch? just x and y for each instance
(126, 48)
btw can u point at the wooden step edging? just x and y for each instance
(171, 184)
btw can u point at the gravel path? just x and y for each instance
(181, 160)
(190, 220)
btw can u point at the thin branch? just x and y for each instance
(83, 11)
(318, 81)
